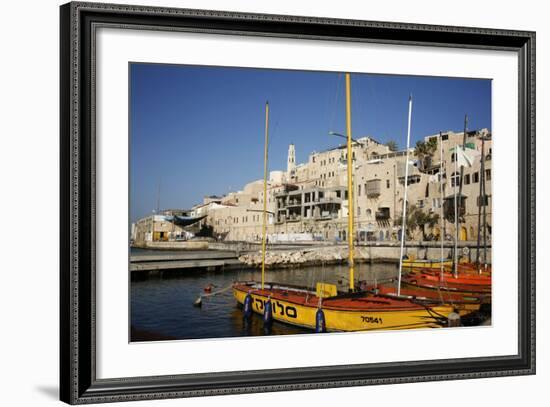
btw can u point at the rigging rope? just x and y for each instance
(333, 117)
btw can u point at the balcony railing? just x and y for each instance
(382, 214)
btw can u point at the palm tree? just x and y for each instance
(424, 150)
(418, 219)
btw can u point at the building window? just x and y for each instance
(388, 183)
(420, 203)
(476, 177)
(453, 157)
(359, 190)
(488, 175)
(455, 176)
(467, 179)
(358, 211)
(444, 137)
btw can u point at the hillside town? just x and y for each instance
(309, 201)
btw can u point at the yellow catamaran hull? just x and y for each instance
(304, 315)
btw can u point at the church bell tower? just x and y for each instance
(291, 160)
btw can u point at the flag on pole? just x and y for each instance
(465, 157)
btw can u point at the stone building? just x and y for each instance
(310, 200)
(159, 227)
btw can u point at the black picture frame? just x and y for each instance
(78, 382)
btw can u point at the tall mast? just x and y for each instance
(350, 183)
(479, 201)
(158, 197)
(484, 211)
(441, 199)
(264, 222)
(405, 199)
(463, 147)
(457, 211)
(455, 268)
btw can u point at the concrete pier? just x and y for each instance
(187, 245)
(185, 260)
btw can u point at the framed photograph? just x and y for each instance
(255, 203)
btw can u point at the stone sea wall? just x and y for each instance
(339, 255)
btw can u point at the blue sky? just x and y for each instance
(200, 130)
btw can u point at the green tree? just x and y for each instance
(418, 219)
(424, 151)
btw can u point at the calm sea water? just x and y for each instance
(162, 307)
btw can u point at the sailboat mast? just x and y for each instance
(158, 197)
(350, 183)
(455, 268)
(460, 178)
(485, 203)
(264, 222)
(479, 202)
(403, 225)
(441, 199)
